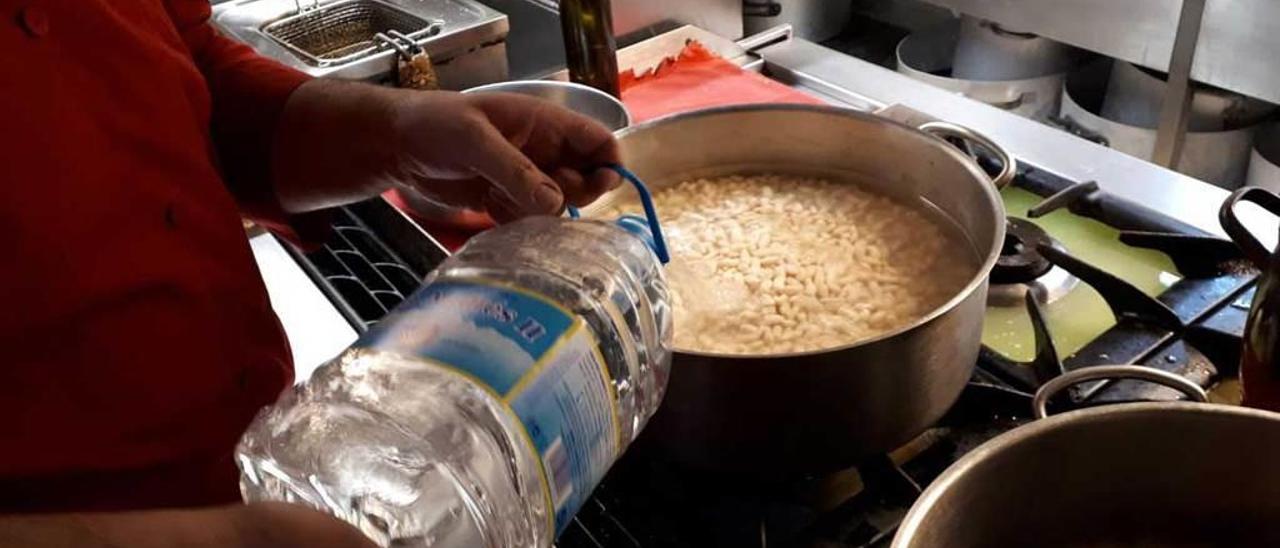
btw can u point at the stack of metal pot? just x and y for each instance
(1017, 71)
(1121, 102)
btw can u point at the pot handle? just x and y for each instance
(1254, 250)
(1008, 166)
(1040, 402)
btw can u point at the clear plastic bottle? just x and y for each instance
(485, 408)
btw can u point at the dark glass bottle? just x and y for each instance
(589, 48)
(1260, 357)
(1260, 362)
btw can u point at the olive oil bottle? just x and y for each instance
(590, 50)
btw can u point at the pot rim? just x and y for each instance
(989, 190)
(940, 32)
(944, 483)
(513, 86)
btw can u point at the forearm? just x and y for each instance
(133, 529)
(334, 145)
(46, 531)
(259, 525)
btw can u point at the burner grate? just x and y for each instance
(359, 273)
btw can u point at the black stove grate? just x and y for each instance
(359, 272)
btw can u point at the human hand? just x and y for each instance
(505, 154)
(258, 525)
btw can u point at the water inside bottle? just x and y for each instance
(416, 450)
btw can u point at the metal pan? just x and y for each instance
(1135, 474)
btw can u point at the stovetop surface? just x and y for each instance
(1189, 323)
(1192, 327)
(648, 502)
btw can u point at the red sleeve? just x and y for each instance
(248, 96)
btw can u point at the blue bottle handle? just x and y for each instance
(646, 201)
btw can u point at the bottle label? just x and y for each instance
(536, 356)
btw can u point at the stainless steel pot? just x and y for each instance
(1264, 161)
(815, 20)
(1135, 94)
(1217, 157)
(987, 51)
(584, 100)
(1136, 474)
(927, 56)
(776, 415)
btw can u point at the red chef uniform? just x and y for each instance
(137, 339)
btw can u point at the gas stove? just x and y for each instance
(1116, 283)
(1085, 278)
(1177, 304)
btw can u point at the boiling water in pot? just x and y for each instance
(767, 264)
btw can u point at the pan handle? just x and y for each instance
(1008, 166)
(1254, 250)
(1040, 402)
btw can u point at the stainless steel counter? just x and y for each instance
(316, 331)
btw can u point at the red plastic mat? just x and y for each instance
(698, 79)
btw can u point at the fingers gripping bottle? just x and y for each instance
(485, 408)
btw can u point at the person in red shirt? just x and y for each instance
(138, 338)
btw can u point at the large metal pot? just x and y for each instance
(1135, 95)
(928, 56)
(815, 20)
(1218, 156)
(1135, 474)
(987, 51)
(783, 414)
(1264, 161)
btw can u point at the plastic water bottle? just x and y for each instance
(486, 407)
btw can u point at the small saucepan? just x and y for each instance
(585, 100)
(1152, 474)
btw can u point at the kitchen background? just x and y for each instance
(1110, 258)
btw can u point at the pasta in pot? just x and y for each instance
(768, 264)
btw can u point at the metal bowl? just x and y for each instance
(584, 100)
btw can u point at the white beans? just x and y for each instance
(773, 263)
